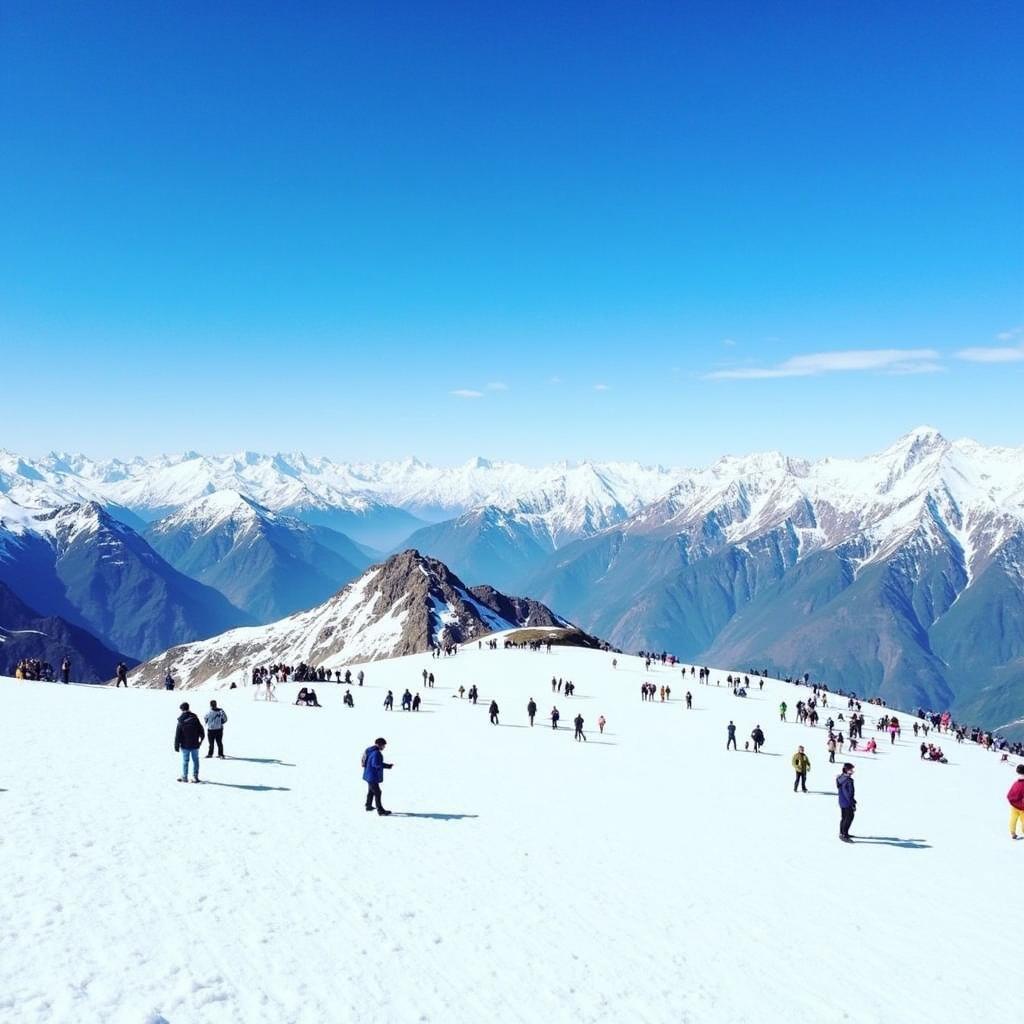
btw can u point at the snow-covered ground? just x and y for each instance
(645, 876)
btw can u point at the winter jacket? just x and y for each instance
(731, 730)
(375, 765)
(801, 762)
(190, 733)
(757, 736)
(1016, 795)
(216, 719)
(844, 783)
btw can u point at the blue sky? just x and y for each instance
(651, 231)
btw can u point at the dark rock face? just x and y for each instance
(24, 633)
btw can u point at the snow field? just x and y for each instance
(645, 876)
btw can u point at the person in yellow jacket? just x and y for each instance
(801, 765)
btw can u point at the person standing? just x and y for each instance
(847, 802)
(730, 731)
(373, 773)
(758, 737)
(554, 718)
(579, 735)
(65, 669)
(389, 701)
(122, 675)
(531, 710)
(801, 765)
(188, 738)
(782, 711)
(689, 700)
(216, 719)
(601, 723)
(493, 712)
(360, 676)
(168, 681)
(1016, 801)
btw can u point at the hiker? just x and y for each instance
(730, 731)
(122, 675)
(1016, 800)
(554, 718)
(168, 681)
(360, 676)
(758, 737)
(389, 701)
(531, 710)
(601, 723)
(188, 738)
(216, 719)
(801, 765)
(416, 702)
(578, 722)
(782, 711)
(847, 802)
(493, 712)
(373, 773)
(831, 747)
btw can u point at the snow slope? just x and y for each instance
(645, 876)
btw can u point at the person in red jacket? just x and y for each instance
(1016, 799)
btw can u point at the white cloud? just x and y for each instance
(602, 387)
(497, 385)
(1003, 354)
(882, 360)
(1010, 352)
(555, 380)
(728, 343)
(466, 393)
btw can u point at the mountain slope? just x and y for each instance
(265, 563)
(80, 563)
(24, 633)
(405, 605)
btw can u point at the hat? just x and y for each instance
(183, 706)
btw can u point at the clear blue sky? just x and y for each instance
(635, 230)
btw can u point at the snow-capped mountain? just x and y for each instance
(899, 573)
(267, 563)
(375, 503)
(405, 605)
(80, 563)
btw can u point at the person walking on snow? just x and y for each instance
(758, 737)
(554, 718)
(578, 722)
(531, 710)
(216, 719)
(188, 738)
(373, 773)
(847, 802)
(122, 675)
(1016, 801)
(782, 711)
(730, 731)
(601, 723)
(389, 702)
(801, 765)
(65, 669)
(493, 712)
(689, 700)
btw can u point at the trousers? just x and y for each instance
(215, 736)
(845, 820)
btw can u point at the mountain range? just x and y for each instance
(899, 573)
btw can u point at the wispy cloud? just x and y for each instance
(1012, 351)
(602, 387)
(728, 342)
(555, 380)
(497, 385)
(466, 393)
(815, 364)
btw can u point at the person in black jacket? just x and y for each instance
(531, 710)
(188, 738)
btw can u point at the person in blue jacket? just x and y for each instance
(847, 802)
(373, 773)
